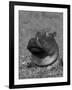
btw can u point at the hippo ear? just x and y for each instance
(54, 34)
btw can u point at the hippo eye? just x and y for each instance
(50, 35)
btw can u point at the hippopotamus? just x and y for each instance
(43, 48)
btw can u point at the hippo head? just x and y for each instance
(42, 44)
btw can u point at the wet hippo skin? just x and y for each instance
(44, 48)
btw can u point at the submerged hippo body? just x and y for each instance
(43, 48)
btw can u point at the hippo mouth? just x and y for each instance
(37, 51)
